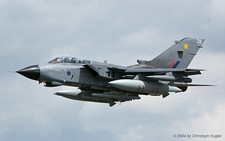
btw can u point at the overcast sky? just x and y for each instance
(121, 32)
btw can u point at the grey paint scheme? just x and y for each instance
(177, 52)
(93, 78)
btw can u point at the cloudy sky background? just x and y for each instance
(121, 32)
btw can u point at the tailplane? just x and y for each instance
(179, 55)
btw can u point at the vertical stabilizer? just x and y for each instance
(179, 55)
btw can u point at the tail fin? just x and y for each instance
(179, 55)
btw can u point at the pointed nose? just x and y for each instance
(32, 72)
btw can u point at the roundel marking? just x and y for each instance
(68, 73)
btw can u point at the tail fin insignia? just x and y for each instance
(186, 46)
(179, 55)
(174, 64)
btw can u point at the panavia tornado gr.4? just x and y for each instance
(108, 83)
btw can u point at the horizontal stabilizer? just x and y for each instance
(193, 71)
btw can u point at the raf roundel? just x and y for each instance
(68, 73)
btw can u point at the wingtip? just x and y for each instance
(189, 85)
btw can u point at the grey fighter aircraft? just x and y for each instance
(108, 83)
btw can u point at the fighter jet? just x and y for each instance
(108, 83)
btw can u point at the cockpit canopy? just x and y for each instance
(69, 60)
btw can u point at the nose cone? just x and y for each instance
(32, 72)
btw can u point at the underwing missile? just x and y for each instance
(68, 92)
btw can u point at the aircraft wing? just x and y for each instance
(187, 85)
(93, 69)
(101, 69)
(153, 70)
